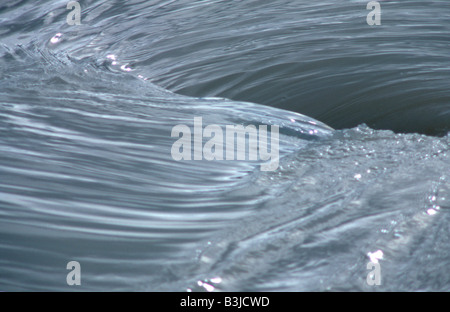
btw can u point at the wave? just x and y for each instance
(87, 175)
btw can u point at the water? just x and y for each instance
(86, 172)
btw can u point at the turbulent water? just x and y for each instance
(87, 174)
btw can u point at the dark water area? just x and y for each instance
(87, 171)
(320, 59)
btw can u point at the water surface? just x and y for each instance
(86, 173)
